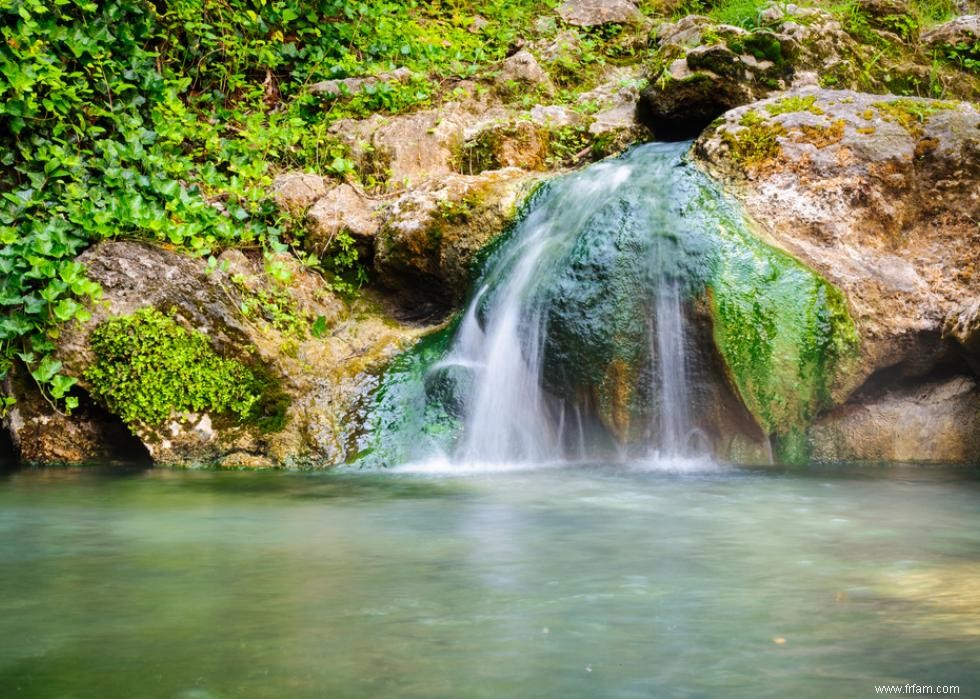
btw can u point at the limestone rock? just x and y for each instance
(41, 435)
(593, 13)
(962, 30)
(342, 209)
(295, 192)
(704, 68)
(240, 309)
(878, 194)
(523, 72)
(963, 326)
(430, 235)
(936, 422)
(351, 86)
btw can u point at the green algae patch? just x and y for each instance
(757, 142)
(795, 103)
(784, 332)
(148, 368)
(414, 409)
(912, 114)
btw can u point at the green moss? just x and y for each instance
(762, 45)
(757, 142)
(795, 103)
(148, 367)
(912, 114)
(784, 332)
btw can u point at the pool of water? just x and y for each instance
(561, 582)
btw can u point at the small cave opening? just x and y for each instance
(8, 455)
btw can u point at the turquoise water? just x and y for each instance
(565, 582)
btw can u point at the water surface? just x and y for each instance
(563, 582)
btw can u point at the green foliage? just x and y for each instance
(166, 121)
(148, 368)
(795, 103)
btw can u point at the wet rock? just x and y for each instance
(41, 435)
(877, 194)
(934, 422)
(430, 236)
(593, 13)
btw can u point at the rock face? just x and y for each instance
(703, 68)
(963, 326)
(246, 316)
(879, 195)
(523, 72)
(40, 435)
(593, 13)
(963, 30)
(934, 422)
(430, 236)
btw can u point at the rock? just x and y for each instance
(41, 435)
(350, 86)
(247, 316)
(295, 192)
(963, 326)
(522, 72)
(593, 13)
(934, 422)
(430, 235)
(342, 209)
(406, 150)
(704, 68)
(962, 30)
(877, 194)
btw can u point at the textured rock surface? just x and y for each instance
(322, 376)
(962, 30)
(935, 422)
(592, 13)
(41, 435)
(963, 326)
(430, 236)
(343, 208)
(877, 194)
(295, 192)
(523, 72)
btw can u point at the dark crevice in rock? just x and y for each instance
(686, 127)
(899, 377)
(8, 455)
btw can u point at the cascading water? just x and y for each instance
(631, 313)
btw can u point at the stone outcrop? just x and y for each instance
(593, 13)
(934, 422)
(879, 195)
(522, 72)
(241, 310)
(430, 236)
(963, 31)
(703, 68)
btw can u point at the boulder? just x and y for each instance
(877, 194)
(521, 73)
(315, 357)
(963, 30)
(41, 435)
(430, 236)
(594, 13)
(932, 422)
(343, 208)
(295, 192)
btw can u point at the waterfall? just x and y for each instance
(508, 414)
(631, 313)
